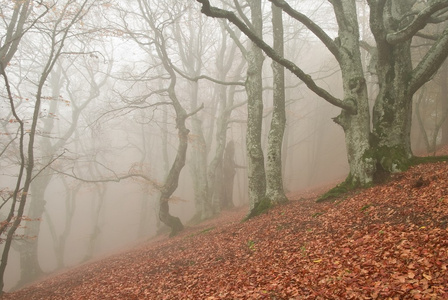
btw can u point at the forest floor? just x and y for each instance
(386, 242)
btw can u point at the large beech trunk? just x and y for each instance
(392, 112)
(254, 87)
(356, 126)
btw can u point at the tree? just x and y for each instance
(79, 100)
(158, 46)
(393, 30)
(274, 176)
(254, 89)
(19, 18)
(192, 42)
(387, 146)
(57, 31)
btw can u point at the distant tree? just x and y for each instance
(79, 98)
(19, 17)
(225, 95)
(193, 40)
(58, 32)
(152, 29)
(228, 175)
(228, 64)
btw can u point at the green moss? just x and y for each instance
(429, 159)
(207, 229)
(365, 207)
(390, 159)
(338, 190)
(393, 159)
(202, 231)
(261, 207)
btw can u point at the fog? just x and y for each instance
(107, 133)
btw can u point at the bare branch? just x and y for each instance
(313, 27)
(114, 179)
(195, 111)
(418, 23)
(215, 12)
(197, 78)
(430, 63)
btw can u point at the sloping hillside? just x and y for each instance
(387, 242)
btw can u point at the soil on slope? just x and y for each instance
(385, 242)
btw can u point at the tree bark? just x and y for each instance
(392, 112)
(356, 126)
(254, 87)
(228, 176)
(172, 180)
(444, 104)
(274, 179)
(30, 269)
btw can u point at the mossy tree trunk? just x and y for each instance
(398, 80)
(172, 181)
(254, 88)
(274, 179)
(356, 125)
(392, 112)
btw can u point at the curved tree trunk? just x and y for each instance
(172, 179)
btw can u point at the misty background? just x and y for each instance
(104, 116)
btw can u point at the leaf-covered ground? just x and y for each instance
(386, 242)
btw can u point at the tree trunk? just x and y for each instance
(228, 176)
(172, 179)
(392, 112)
(274, 179)
(444, 104)
(30, 269)
(199, 162)
(254, 87)
(164, 214)
(356, 126)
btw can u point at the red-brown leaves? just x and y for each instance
(387, 242)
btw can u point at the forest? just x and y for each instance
(127, 121)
